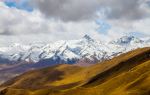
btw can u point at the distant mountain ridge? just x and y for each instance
(71, 51)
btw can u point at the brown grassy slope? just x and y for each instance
(127, 74)
(119, 65)
(133, 82)
(42, 78)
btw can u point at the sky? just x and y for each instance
(31, 21)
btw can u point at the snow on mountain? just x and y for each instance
(126, 40)
(130, 43)
(73, 50)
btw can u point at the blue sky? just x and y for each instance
(103, 26)
(21, 4)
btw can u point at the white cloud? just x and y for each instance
(77, 10)
(27, 27)
(123, 27)
(22, 26)
(143, 26)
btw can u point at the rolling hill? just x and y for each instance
(127, 74)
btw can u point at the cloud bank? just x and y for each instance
(76, 10)
(54, 20)
(27, 27)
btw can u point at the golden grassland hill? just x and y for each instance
(127, 74)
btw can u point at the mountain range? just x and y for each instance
(71, 51)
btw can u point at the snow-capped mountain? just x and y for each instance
(129, 43)
(126, 40)
(71, 51)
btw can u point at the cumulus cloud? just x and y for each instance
(138, 28)
(54, 20)
(126, 9)
(14, 21)
(26, 27)
(75, 10)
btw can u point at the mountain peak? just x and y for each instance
(87, 37)
(127, 39)
(130, 37)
